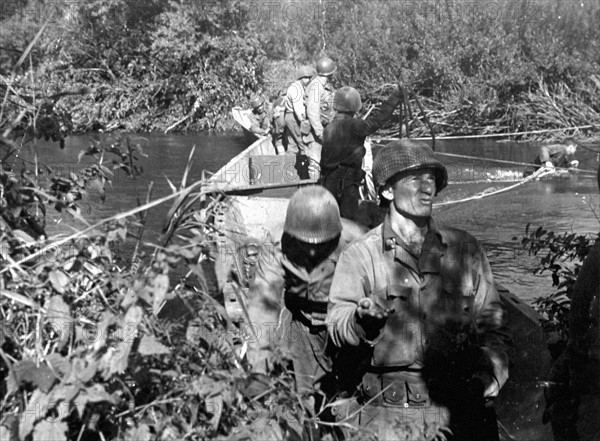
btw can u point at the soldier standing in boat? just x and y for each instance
(295, 110)
(297, 274)
(278, 122)
(319, 111)
(344, 146)
(420, 300)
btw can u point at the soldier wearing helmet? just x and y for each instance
(343, 146)
(295, 109)
(422, 298)
(260, 117)
(296, 274)
(319, 111)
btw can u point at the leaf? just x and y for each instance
(64, 393)
(93, 394)
(120, 359)
(49, 430)
(26, 371)
(83, 371)
(58, 316)
(23, 237)
(140, 433)
(36, 405)
(150, 346)
(59, 280)
(59, 363)
(160, 288)
(214, 406)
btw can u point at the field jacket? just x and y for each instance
(442, 299)
(294, 100)
(279, 282)
(319, 106)
(344, 137)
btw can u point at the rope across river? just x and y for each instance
(544, 171)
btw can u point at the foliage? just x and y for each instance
(562, 255)
(99, 343)
(175, 65)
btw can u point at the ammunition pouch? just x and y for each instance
(402, 388)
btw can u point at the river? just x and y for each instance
(562, 204)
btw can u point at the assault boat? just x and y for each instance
(251, 197)
(242, 117)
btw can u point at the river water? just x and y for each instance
(562, 204)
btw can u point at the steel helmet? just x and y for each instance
(256, 101)
(347, 99)
(406, 155)
(313, 215)
(304, 72)
(326, 67)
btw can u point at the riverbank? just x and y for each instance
(176, 66)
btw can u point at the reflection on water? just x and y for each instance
(561, 204)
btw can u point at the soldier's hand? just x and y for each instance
(371, 317)
(549, 164)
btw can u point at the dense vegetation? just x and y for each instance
(173, 65)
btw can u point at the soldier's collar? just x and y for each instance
(433, 239)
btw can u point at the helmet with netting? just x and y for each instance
(407, 155)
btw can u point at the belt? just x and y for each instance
(331, 169)
(390, 369)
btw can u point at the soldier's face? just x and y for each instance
(411, 195)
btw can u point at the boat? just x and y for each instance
(252, 192)
(241, 116)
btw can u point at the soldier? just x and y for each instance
(297, 274)
(319, 111)
(278, 123)
(344, 146)
(260, 116)
(295, 110)
(552, 156)
(422, 299)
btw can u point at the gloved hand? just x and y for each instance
(371, 317)
(549, 164)
(575, 163)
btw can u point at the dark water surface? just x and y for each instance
(561, 204)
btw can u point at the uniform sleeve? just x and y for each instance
(295, 95)
(314, 94)
(491, 326)
(544, 154)
(585, 289)
(264, 305)
(346, 291)
(266, 119)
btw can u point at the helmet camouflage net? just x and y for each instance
(407, 155)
